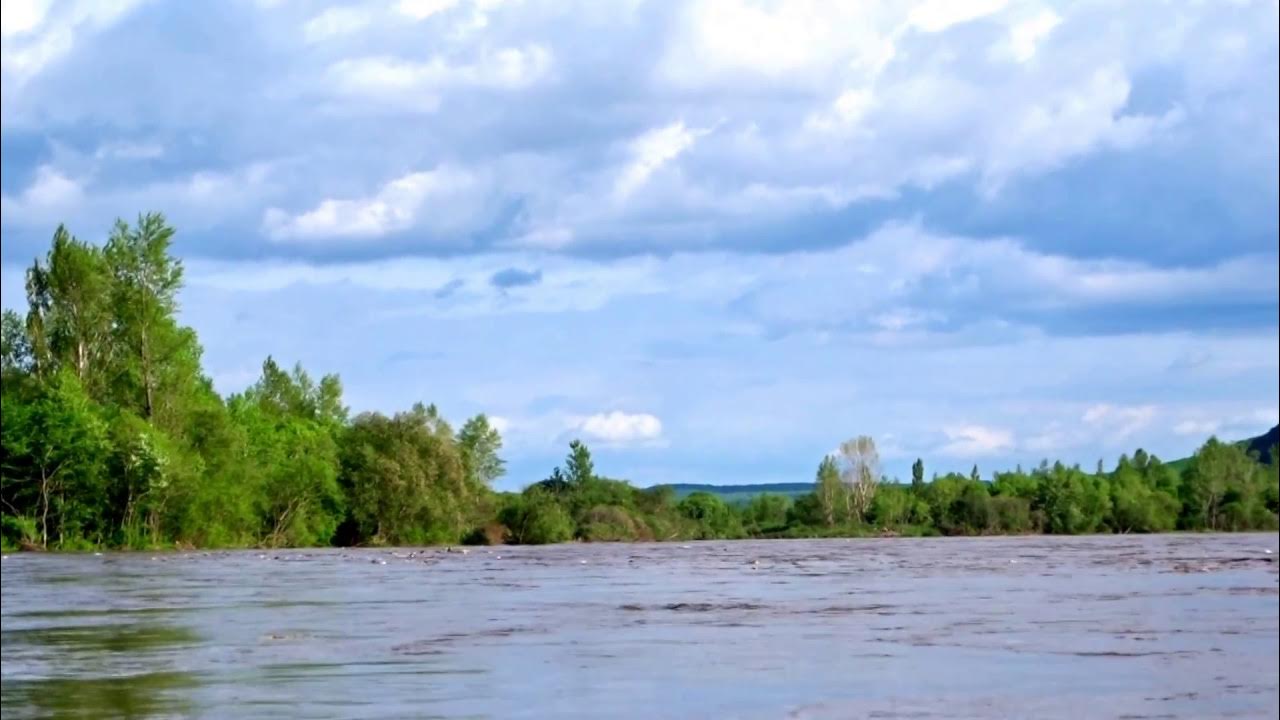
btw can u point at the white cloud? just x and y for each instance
(398, 205)
(1199, 428)
(965, 441)
(619, 428)
(423, 9)
(650, 152)
(416, 85)
(42, 32)
(1118, 423)
(50, 192)
(21, 16)
(933, 16)
(336, 22)
(190, 200)
(1025, 36)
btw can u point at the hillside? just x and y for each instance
(736, 493)
(1261, 445)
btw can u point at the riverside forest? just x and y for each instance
(114, 438)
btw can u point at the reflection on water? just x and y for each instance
(1170, 626)
(144, 695)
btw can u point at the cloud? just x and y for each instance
(515, 277)
(423, 9)
(964, 441)
(619, 428)
(335, 22)
(650, 152)
(934, 16)
(417, 84)
(868, 217)
(396, 206)
(40, 32)
(50, 191)
(1120, 423)
(1198, 428)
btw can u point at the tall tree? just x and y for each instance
(480, 442)
(917, 476)
(578, 466)
(70, 296)
(828, 489)
(156, 353)
(860, 473)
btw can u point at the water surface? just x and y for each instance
(1174, 626)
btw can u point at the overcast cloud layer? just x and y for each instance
(711, 238)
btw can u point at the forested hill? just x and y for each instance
(1264, 445)
(744, 492)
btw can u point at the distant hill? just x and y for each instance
(743, 493)
(1261, 445)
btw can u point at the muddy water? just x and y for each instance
(1170, 626)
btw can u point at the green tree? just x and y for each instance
(715, 519)
(917, 476)
(828, 490)
(479, 443)
(578, 466)
(52, 465)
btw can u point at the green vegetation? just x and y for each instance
(112, 437)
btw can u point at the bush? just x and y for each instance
(535, 518)
(19, 531)
(611, 523)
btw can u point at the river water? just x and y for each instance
(1175, 626)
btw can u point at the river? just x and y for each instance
(1173, 626)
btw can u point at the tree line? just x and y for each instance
(112, 436)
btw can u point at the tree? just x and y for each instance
(1219, 474)
(15, 350)
(157, 360)
(714, 518)
(53, 449)
(860, 474)
(828, 490)
(917, 476)
(479, 443)
(578, 466)
(766, 512)
(974, 475)
(292, 424)
(405, 482)
(69, 300)
(535, 518)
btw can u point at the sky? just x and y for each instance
(712, 239)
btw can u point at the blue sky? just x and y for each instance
(713, 238)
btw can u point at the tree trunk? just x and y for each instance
(44, 512)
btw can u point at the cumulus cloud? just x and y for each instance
(39, 32)
(865, 215)
(619, 428)
(394, 207)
